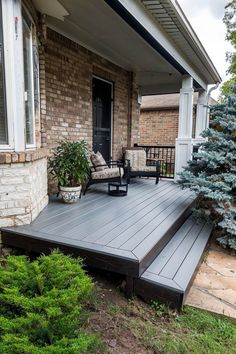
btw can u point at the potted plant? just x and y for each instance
(70, 167)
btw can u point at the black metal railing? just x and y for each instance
(166, 157)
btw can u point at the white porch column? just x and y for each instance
(201, 116)
(183, 147)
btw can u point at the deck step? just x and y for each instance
(170, 275)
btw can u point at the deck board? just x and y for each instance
(80, 213)
(141, 214)
(115, 216)
(175, 211)
(154, 222)
(76, 211)
(170, 274)
(110, 229)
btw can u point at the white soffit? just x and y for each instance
(170, 16)
(51, 8)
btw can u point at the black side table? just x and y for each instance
(118, 189)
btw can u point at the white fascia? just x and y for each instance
(147, 21)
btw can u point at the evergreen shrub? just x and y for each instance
(42, 306)
(212, 172)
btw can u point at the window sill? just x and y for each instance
(21, 157)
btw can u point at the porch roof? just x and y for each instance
(170, 101)
(136, 36)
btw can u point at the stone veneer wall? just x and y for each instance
(23, 187)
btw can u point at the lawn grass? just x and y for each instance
(136, 327)
(51, 305)
(193, 331)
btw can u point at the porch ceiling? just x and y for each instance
(95, 25)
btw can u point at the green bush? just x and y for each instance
(69, 164)
(212, 172)
(43, 306)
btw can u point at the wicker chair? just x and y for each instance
(138, 165)
(102, 171)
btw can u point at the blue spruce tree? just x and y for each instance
(212, 172)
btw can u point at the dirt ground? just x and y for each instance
(130, 326)
(111, 316)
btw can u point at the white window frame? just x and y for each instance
(33, 145)
(14, 76)
(7, 13)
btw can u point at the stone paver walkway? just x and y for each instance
(214, 288)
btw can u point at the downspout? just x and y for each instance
(210, 91)
(208, 98)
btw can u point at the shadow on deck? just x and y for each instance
(124, 235)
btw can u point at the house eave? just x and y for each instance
(191, 59)
(126, 34)
(193, 38)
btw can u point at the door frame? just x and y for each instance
(112, 106)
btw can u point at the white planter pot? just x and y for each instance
(70, 194)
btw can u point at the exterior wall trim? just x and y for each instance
(112, 106)
(120, 8)
(8, 44)
(24, 156)
(134, 23)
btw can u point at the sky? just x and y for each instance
(206, 17)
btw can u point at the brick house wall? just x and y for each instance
(66, 73)
(159, 127)
(69, 69)
(66, 70)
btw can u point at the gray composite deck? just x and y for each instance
(171, 273)
(121, 234)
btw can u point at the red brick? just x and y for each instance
(67, 70)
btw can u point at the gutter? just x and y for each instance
(137, 26)
(194, 38)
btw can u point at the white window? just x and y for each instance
(28, 82)
(19, 77)
(3, 112)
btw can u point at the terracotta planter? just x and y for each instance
(70, 194)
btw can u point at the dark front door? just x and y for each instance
(102, 96)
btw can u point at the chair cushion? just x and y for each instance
(108, 173)
(137, 159)
(147, 169)
(97, 159)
